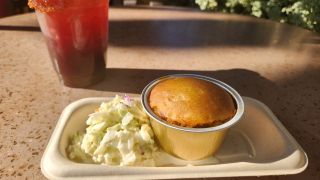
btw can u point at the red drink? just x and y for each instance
(76, 34)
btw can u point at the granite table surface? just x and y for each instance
(275, 63)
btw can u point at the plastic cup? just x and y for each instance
(76, 33)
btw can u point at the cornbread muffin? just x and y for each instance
(191, 102)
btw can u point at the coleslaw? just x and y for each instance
(118, 133)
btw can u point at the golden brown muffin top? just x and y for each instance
(191, 102)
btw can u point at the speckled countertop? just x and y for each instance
(275, 63)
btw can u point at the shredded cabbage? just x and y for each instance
(118, 133)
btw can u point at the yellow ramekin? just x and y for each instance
(190, 143)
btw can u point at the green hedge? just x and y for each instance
(303, 13)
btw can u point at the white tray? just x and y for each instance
(258, 145)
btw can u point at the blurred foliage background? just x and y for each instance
(303, 13)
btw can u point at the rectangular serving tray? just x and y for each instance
(258, 145)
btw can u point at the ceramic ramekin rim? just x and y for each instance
(235, 95)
